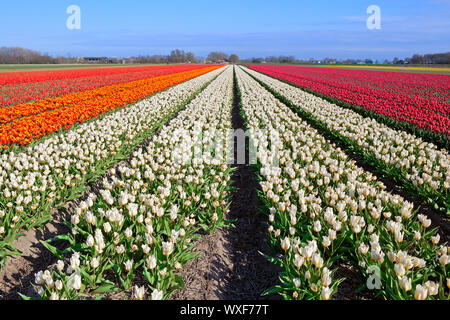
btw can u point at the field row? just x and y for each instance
(323, 209)
(24, 87)
(418, 103)
(422, 167)
(23, 123)
(55, 170)
(144, 218)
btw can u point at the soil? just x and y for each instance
(349, 289)
(19, 271)
(230, 266)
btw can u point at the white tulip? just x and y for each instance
(167, 248)
(157, 295)
(139, 293)
(151, 262)
(326, 293)
(420, 293)
(285, 244)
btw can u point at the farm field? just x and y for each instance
(418, 68)
(445, 69)
(23, 122)
(44, 67)
(21, 87)
(151, 192)
(422, 100)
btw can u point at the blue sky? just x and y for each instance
(250, 28)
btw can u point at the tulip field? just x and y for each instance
(23, 122)
(322, 206)
(418, 99)
(139, 161)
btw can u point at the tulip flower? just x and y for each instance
(326, 293)
(139, 293)
(405, 283)
(285, 244)
(157, 295)
(58, 285)
(167, 248)
(420, 293)
(151, 262)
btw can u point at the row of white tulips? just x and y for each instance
(54, 170)
(141, 223)
(325, 209)
(423, 164)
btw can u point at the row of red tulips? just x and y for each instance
(430, 86)
(398, 98)
(49, 84)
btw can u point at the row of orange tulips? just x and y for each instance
(43, 117)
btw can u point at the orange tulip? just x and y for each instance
(43, 117)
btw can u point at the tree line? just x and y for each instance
(179, 56)
(432, 58)
(17, 55)
(176, 56)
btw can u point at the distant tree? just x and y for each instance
(286, 59)
(417, 59)
(17, 55)
(432, 58)
(272, 59)
(234, 59)
(190, 57)
(428, 59)
(177, 56)
(257, 60)
(217, 56)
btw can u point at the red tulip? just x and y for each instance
(421, 99)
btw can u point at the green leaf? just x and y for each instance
(24, 297)
(149, 276)
(179, 280)
(63, 237)
(275, 261)
(274, 290)
(106, 287)
(55, 251)
(89, 278)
